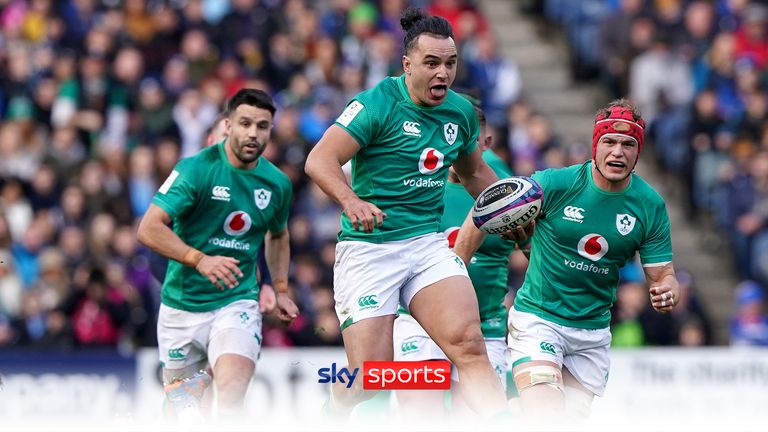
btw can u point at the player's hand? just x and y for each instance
(520, 234)
(287, 310)
(222, 271)
(267, 299)
(364, 215)
(664, 297)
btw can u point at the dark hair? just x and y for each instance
(624, 103)
(252, 97)
(97, 276)
(480, 115)
(476, 105)
(221, 116)
(415, 22)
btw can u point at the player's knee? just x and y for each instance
(578, 404)
(536, 375)
(467, 346)
(231, 387)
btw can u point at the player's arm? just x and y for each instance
(470, 238)
(664, 289)
(474, 173)
(468, 241)
(155, 234)
(277, 252)
(323, 166)
(267, 299)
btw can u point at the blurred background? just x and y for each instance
(100, 98)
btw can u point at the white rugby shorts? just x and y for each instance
(186, 338)
(583, 351)
(372, 279)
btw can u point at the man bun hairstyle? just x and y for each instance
(415, 23)
(253, 97)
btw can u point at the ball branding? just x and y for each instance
(507, 204)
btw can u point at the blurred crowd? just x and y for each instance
(698, 70)
(100, 98)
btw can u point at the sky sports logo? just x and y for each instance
(392, 375)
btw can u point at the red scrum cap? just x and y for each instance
(618, 120)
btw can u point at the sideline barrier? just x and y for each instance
(704, 389)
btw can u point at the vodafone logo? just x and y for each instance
(593, 247)
(430, 161)
(451, 234)
(237, 223)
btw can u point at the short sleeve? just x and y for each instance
(544, 179)
(280, 220)
(657, 244)
(359, 120)
(473, 131)
(180, 190)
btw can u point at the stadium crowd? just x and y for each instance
(100, 98)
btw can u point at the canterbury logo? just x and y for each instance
(547, 347)
(220, 193)
(409, 346)
(411, 128)
(573, 214)
(367, 301)
(175, 354)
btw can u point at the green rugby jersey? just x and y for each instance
(405, 152)
(584, 236)
(488, 268)
(220, 210)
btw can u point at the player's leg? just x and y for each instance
(585, 370)
(441, 298)
(412, 343)
(578, 399)
(185, 389)
(448, 311)
(366, 288)
(497, 355)
(207, 401)
(181, 345)
(233, 374)
(367, 340)
(537, 357)
(540, 384)
(235, 343)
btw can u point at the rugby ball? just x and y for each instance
(507, 204)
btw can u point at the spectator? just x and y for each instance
(18, 212)
(631, 299)
(749, 326)
(660, 80)
(193, 116)
(10, 286)
(154, 114)
(614, 46)
(97, 312)
(44, 190)
(692, 333)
